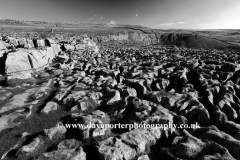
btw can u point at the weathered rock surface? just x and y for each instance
(50, 106)
(22, 63)
(118, 102)
(29, 97)
(187, 146)
(55, 132)
(92, 125)
(21, 105)
(2, 46)
(135, 37)
(67, 154)
(114, 148)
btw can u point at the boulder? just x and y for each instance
(85, 44)
(18, 62)
(227, 141)
(67, 46)
(56, 132)
(113, 148)
(68, 144)
(13, 41)
(40, 43)
(31, 147)
(72, 99)
(2, 46)
(115, 97)
(50, 106)
(129, 92)
(67, 154)
(22, 43)
(144, 157)
(21, 63)
(49, 42)
(93, 124)
(140, 139)
(186, 146)
(29, 45)
(79, 46)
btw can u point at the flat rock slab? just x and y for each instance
(2, 46)
(7, 121)
(5, 95)
(29, 97)
(114, 148)
(21, 63)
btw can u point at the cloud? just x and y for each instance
(226, 12)
(95, 15)
(101, 17)
(136, 15)
(199, 24)
(171, 24)
(90, 19)
(112, 22)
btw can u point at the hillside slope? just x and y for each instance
(111, 33)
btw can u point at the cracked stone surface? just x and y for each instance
(86, 84)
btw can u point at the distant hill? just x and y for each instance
(67, 24)
(208, 39)
(197, 39)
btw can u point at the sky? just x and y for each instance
(158, 14)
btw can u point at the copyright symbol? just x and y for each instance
(59, 124)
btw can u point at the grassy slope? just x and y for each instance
(208, 39)
(200, 42)
(230, 36)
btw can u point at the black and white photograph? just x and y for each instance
(119, 79)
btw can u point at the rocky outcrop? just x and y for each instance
(21, 105)
(114, 148)
(186, 146)
(2, 46)
(3, 57)
(55, 132)
(214, 134)
(128, 37)
(68, 154)
(128, 102)
(92, 124)
(170, 37)
(80, 44)
(50, 106)
(21, 63)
